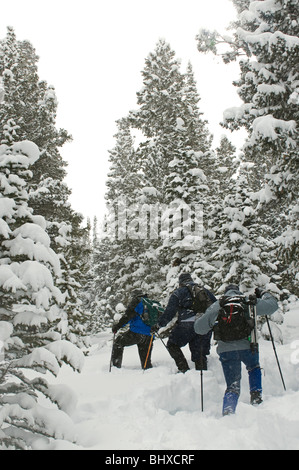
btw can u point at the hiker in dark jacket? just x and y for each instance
(183, 333)
(139, 333)
(233, 353)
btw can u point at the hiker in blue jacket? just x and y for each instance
(139, 333)
(183, 333)
(233, 353)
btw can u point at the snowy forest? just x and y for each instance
(63, 279)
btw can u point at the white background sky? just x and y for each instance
(93, 52)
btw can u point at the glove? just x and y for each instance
(252, 299)
(155, 329)
(259, 292)
(115, 328)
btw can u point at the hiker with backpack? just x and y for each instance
(182, 302)
(139, 332)
(234, 330)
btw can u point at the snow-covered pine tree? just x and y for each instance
(31, 320)
(100, 288)
(94, 298)
(117, 251)
(176, 143)
(199, 135)
(267, 35)
(240, 257)
(219, 174)
(72, 245)
(226, 166)
(28, 112)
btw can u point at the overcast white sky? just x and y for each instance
(93, 52)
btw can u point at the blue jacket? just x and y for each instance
(266, 305)
(137, 325)
(180, 302)
(132, 316)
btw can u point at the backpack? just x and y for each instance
(201, 298)
(233, 322)
(152, 310)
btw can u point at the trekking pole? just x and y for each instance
(254, 346)
(149, 348)
(165, 346)
(273, 344)
(162, 341)
(201, 382)
(201, 385)
(112, 352)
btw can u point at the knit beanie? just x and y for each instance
(185, 278)
(231, 287)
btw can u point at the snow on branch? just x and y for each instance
(270, 127)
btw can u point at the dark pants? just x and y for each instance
(199, 346)
(129, 338)
(231, 362)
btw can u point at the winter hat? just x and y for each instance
(137, 293)
(231, 287)
(184, 278)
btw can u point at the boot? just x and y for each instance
(256, 397)
(182, 365)
(230, 401)
(183, 368)
(117, 356)
(178, 356)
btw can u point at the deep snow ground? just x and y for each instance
(158, 409)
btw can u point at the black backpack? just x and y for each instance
(201, 299)
(233, 322)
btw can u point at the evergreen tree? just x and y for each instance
(31, 319)
(240, 256)
(23, 234)
(267, 35)
(177, 143)
(116, 254)
(98, 272)
(158, 99)
(28, 112)
(73, 249)
(199, 136)
(220, 172)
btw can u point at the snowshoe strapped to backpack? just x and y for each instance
(233, 322)
(152, 310)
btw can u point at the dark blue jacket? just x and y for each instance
(180, 302)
